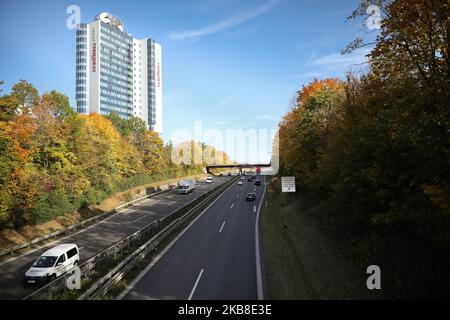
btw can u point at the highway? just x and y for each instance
(100, 236)
(215, 258)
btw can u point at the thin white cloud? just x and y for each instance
(266, 117)
(231, 98)
(223, 25)
(336, 61)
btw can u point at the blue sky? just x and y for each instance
(227, 63)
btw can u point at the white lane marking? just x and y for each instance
(129, 212)
(254, 208)
(139, 219)
(195, 285)
(232, 205)
(167, 248)
(221, 228)
(259, 282)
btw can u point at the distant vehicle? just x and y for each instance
(242, 178)
(249, 179)
(229, 173)
(209, 180)
(52, 264)
(257, 183)
(240, 183)
(251, 196)
(186, 186)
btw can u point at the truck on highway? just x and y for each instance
(186, 186)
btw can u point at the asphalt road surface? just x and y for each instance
(100, 236)
(213, 259)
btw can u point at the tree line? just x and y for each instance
(374, 149)
(54, 160)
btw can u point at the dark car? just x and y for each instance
(249, 179)
(257, 183)
(251, 196)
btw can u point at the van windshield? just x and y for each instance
(45, 262)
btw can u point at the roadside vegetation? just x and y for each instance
(301, 260)
(54, 161)
(374, 150)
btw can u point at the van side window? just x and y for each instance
(71, 253)
(61, 259)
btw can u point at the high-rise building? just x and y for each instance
(116, 72)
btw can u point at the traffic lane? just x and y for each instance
(157, 208)
(235, 272)
(173, 276)
(96, 238)
(236, 247)
(226, 257)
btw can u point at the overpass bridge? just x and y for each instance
(237, 166)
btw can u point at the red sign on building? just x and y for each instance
(158, 75)
(94, 57)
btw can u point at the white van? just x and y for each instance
(52, 264)
(209, 179)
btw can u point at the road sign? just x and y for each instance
(288, 184)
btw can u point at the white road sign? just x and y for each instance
(288, 184)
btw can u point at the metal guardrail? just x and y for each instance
(93, 265)
(78, 224)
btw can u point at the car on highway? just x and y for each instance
(242, 178)
(257, 182)
(251, 196)
(186, 186)
(240, 183)
(249, 179)
(209, 180)
(52, 264)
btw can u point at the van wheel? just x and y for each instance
(75, 263)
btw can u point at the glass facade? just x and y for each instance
(116, 71)
(151, 72)
(81, 69)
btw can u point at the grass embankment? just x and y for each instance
(300, 260)
(12, 237)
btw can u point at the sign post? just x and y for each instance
(288, 184)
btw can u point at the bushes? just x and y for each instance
(53, 160)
